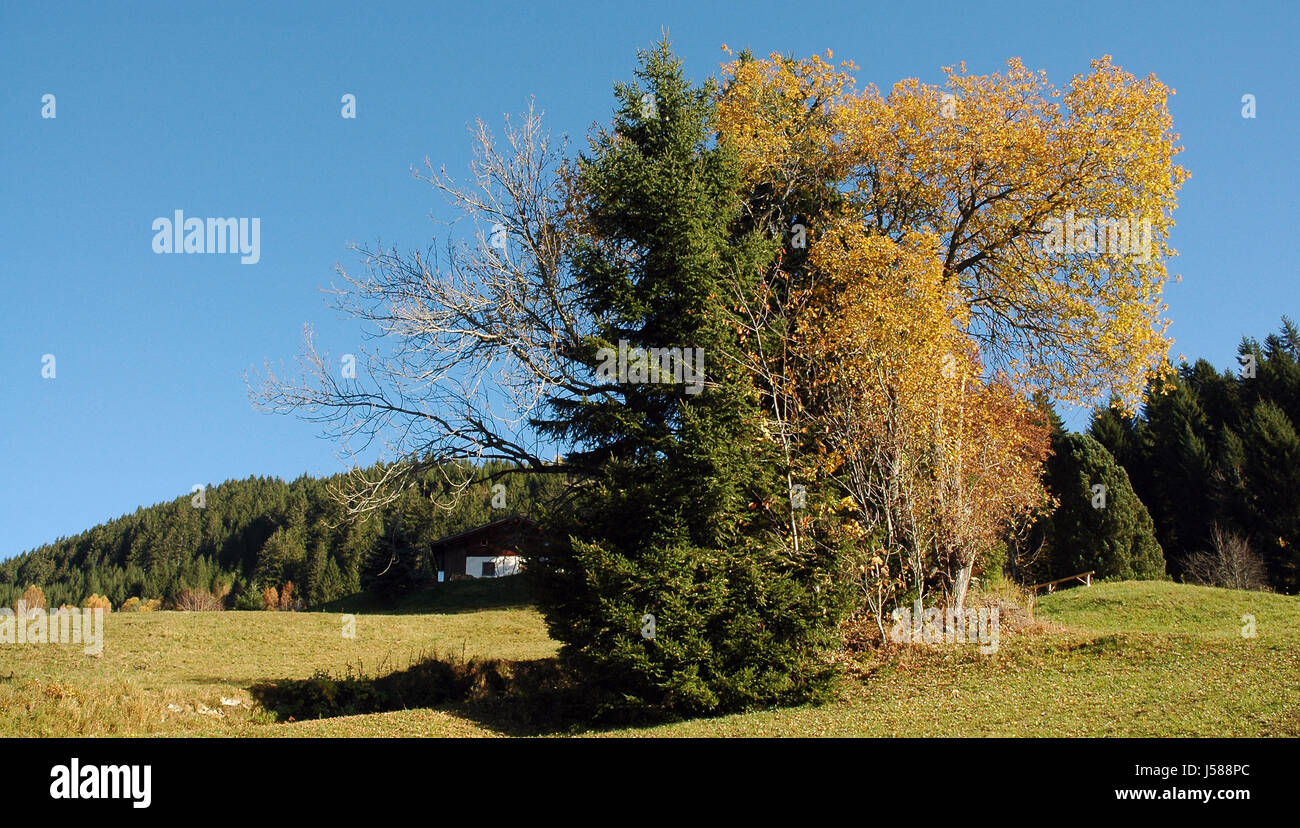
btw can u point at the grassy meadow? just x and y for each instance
(1115, 659)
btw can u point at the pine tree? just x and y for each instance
(1106, 529)
(1272, 471)
(665, 592)
(1178, 455)
(1122, 436)
(395, 564)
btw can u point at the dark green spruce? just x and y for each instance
(668, 526)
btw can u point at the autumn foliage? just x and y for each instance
(99, 602)
(134, 604)
(281, 599)
(936, 294)
(33, 597)
(880, 281)
(984, 164)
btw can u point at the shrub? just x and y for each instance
(249, 599)
(96, 601)
(134, 604)
(34, 597)
(1229, 563)
(286, 597)
(198, 600)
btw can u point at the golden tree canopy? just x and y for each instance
(1051, 208)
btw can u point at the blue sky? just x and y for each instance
(233, 109)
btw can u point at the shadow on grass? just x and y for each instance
(452, 597)
(514, 698)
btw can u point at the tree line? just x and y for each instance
(1215, 456)
(252, 537)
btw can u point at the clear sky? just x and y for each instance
(233, 109)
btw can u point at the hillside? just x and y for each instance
(1116, 659)
(244, 535)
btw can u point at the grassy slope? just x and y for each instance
(1124, 659)
(192, 661)
(1128, 659)
(454, 596)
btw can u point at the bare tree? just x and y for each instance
(469, 349)
(881, 476)
(767, 319)
(1229, 562)
(199, 600)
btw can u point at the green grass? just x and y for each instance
(154, 662)
(454, 596)
(1125, 659)
(1165, 608)
(1114, 659)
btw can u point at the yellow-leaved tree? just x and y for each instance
(1052, 207)
(935, 463)
(957, 248)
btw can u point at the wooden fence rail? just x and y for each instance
(1083, 577)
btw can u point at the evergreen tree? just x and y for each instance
(1271, 450)
(1180, 470)
(1216, 451)
(1107, 530)
(250, 533)
(665, 592)
(395, 563)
